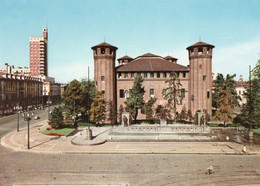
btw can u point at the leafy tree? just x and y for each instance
(98, 109)
(189, 114)
(183, 114)
(148, 108)
(230, 83)
(250, 114)
(162, 113)
(173, 92)
(56, 117)
(112, 115)
(75, 100)
(89, 87)
(219, 82)
(224, 103)
(120, 112)
(135, 101)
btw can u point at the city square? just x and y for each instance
(129, 93)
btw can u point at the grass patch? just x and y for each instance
(257, 130)
(65, 131)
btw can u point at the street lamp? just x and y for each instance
(48, 104)
(17, 108)
(27, 117)
(88, 130)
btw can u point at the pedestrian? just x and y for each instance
(209, 170)
(125, 121)
(244, 149)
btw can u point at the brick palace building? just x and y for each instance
(115, 82)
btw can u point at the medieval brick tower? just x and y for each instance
(200, 80)
(104, 70)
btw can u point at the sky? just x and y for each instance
(136, 27)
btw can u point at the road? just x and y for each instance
(17, 168)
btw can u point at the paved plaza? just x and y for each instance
(40, 143)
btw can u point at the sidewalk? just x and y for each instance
(40, 143)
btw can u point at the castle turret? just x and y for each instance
(200, 80)
(124, 60)
(104, 70)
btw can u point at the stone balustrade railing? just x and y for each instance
(163, 129)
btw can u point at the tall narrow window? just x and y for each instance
(183, 93)
(184, 74)
(119, 75)
(121, 93)
(164, 74)
(208, 94)
(204, 78)
(164, 92)
(139, 74)
(132, 75)
(200, 67)
(126, 75)
(151, 92)
(103, 50)
(151, 75)
(145, 75)
(103, 94)
(158, 75)
(102, 78)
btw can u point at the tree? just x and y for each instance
(225, 107)
(183, 114)
(250, 114)
(56, 117)
(89, 87)
(173, 92)
(148, 109)
(162, 113)
(135, 101)
(218, 83)
(120, 112)
(230, 83)
(112, 115)
(75, 101)
(189, 114)
(98, 109)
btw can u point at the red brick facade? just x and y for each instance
(116, 82)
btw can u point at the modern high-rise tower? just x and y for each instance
(200, 77)
(104, 70)
(39, 54)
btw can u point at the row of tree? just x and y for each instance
(82, 101)
(225, 99)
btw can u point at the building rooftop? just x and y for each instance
(104, 44)
(170, 57)
(200, 44)
(151, 63)
(242, 84)
(125, 57)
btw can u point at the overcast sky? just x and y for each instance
(162, 27)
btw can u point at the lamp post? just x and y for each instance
(88, 130)
(17, 108)
(48, 104)
(27, 117)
